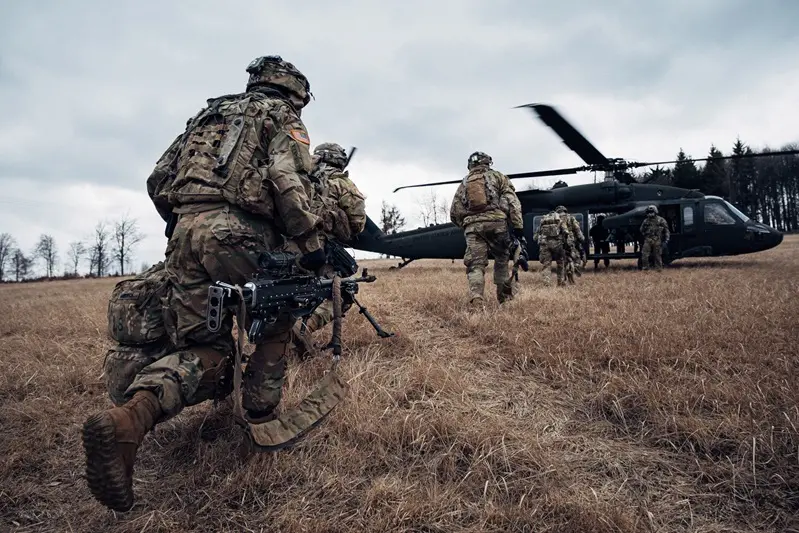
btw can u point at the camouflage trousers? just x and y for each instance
(221, 244)
(482, 237)
(652, 250)
(573, 261)
(549, 250)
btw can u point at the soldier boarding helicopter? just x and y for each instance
(700, 225)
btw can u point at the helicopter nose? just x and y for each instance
(762, 237)
(771, 239)
(776, 238)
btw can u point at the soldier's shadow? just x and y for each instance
(710, 264)
(204, 434)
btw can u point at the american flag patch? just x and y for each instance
(300, 136)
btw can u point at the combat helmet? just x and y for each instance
(560, 209)
(651, 210)
(331, 154)
(479, 159)
(273, 71)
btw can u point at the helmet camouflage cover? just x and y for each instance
(652, 209)
(560, 209)
(330, 153)
(273, 71)
(479, 158)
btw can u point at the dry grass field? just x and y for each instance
(629, 402)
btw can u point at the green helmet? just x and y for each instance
(479, 159)
(272, 71)
(330, 153)
(560, 209)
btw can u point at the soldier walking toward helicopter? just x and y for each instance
(484, 205)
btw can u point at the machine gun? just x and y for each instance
(281, 290)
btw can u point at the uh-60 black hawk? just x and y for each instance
(700, 225)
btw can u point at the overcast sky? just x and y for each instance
(92, 92)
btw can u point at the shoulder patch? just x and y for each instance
(300, 136)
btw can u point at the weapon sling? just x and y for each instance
(292, 424)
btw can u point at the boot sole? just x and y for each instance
(105, 472)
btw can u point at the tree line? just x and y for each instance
(110, 247)
(764, 188)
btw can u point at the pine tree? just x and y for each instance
(713, 178)
(685, 173)
(741, 176)
(391, 221)
(658, 176)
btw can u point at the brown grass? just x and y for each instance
(629, 402)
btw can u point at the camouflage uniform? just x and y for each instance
(653, 229)
(575, 244)
(237, 179)
(342, 208)
(552, 235)
(484, 205)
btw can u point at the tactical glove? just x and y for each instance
(313, 261)
(518, 233)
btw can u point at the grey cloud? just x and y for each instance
(95, 91)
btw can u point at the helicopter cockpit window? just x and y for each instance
(716, 214)
(737, 213)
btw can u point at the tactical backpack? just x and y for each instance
(476, 197)
(550, 226)
(135, 316)
(221, 158)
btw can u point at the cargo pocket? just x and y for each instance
(123, 364)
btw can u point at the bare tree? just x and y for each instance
(46, 250)
(7, 247)
(21, 264)
(76, 251)
(433, 209)
(126, 237)
(99, 253)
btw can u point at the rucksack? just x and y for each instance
(550, 226)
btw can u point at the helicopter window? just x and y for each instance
(740, 215)
(717, 215)
(688, 216)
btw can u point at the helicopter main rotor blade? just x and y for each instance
(451, 182)
(569, 134)
(536, 174)
(542, 173)
(742, 156)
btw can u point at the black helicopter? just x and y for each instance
(700, 225)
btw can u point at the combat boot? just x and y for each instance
(110, 440)
(477, 304)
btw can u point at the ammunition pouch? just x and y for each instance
(134, 313)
